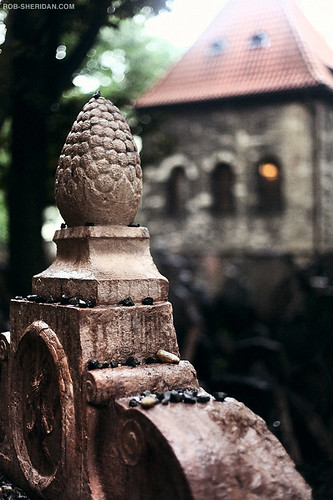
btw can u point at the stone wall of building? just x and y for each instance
(324, 153)
(240, 137)
(253, 248)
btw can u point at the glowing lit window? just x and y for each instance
(269, 171)
(269, 186)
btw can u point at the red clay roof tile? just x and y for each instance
(292, 56)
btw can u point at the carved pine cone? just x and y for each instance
(99, 178)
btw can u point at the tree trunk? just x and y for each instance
(26, 195)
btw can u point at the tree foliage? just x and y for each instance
(125, 61)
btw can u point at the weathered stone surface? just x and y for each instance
(103, 386)
(239, 136)
(107, 333)
(42, 406)
(225, 451)
(64, 432)
(99, 175)
(103, 263)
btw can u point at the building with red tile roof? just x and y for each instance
(251, 47)
(237, 152)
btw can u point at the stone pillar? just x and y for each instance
(99, 404)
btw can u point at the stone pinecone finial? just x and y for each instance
(99, 178)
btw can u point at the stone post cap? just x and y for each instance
(99, 178)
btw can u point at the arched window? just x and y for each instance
(269, 186)
(222, 182)
(177, 191)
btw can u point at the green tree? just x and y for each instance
(125, 61)
(33, 79)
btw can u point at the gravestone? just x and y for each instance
(95, 401)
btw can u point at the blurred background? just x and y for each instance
(238, 185)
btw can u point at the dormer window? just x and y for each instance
(259, 40)
(218, 47)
